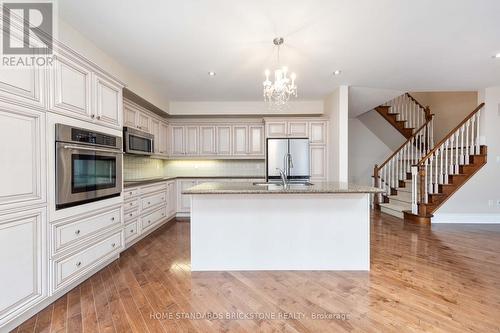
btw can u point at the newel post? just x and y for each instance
(427, 111)
(422, 209)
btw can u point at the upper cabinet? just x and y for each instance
(70, 87)
(215, 140)
(108, 99)
(78, 90)
(317, 132)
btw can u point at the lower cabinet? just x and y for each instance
(183, 200)
(319, 162)
(23, 272)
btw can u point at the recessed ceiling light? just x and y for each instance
(337, 72)
(211, 73)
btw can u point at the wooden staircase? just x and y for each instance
(420, 176)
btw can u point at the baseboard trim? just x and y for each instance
(466, 218)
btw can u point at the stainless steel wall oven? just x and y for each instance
(88, 166)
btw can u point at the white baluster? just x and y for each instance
(452, 161)
(457, 153)
(430, 188)
(436, 172)
(462, 159)
(472, 137)
(478, 148)
(441, 150)
(467, 125)
(446, 167)
(426, 191)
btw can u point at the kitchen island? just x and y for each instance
(243, 226)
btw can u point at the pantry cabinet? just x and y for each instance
(24, 262)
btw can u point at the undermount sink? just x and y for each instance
(290, 183)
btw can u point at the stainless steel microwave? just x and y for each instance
(88, 166)
(138, 142)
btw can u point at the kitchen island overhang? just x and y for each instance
(241, 226)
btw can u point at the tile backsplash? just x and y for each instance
(136, 167)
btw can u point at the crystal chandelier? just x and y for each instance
(279, 92)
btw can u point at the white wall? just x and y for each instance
(134, 82)
(365, 150)
(244, 108)
(336, 108)
(476, 201)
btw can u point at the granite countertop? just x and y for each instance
(140, 182)
(250, 188)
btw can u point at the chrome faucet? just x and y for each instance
(283, 177)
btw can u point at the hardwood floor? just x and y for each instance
(440, 279)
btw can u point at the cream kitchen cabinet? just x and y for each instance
(207, 140)
(23, 273)
(108, 100)
(298, 128)
(318, 162)
(276, 128)
(143, 122)
(240, 140)
(223, 140)
(317, 132)
(23, 85)
(23, 167)
(191, 140)
(155, 130)
(171, 198)
(76, 89)
(183, 200)
(177, 140)
(162, 141)
(256, 140)
(130, 115)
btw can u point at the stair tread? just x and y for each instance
(398, 208)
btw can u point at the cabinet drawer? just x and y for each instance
(131, 215)
(69, 233)
(153, 200)
(132, 204)
(130, 193)
(131, 231)
(73, 267)
(153, 218)
(154, 188)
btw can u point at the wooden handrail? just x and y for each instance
(406, 142)
(414, 100)
(436, 147)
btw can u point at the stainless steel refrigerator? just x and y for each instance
(289, 155)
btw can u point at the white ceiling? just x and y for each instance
(384, 44)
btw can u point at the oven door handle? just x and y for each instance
(103, 150)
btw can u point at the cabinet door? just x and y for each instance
(223, 140)
(155, 130)
(23, 257)
(318, 162)
(240, 140)
(70, 85)
(297, 129)
(172, 199)
(178, 140)
(143, 122)
(184, 201)
(207, 140)
(163, 138)
(108, 101)
(130, 117)
(22, 147)
(22, 84)
(256, 140)
(276, 129)
(191, 137)
(317, 132)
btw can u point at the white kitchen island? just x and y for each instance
(241, 226)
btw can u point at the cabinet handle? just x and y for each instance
(113, 245)
(149, 222)
(78, 264)
(99, 117)
(112, 219)
(130, 193)
(130, 214)
(77, 232)
(131, 231)
(149, 203)
(92, 116)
